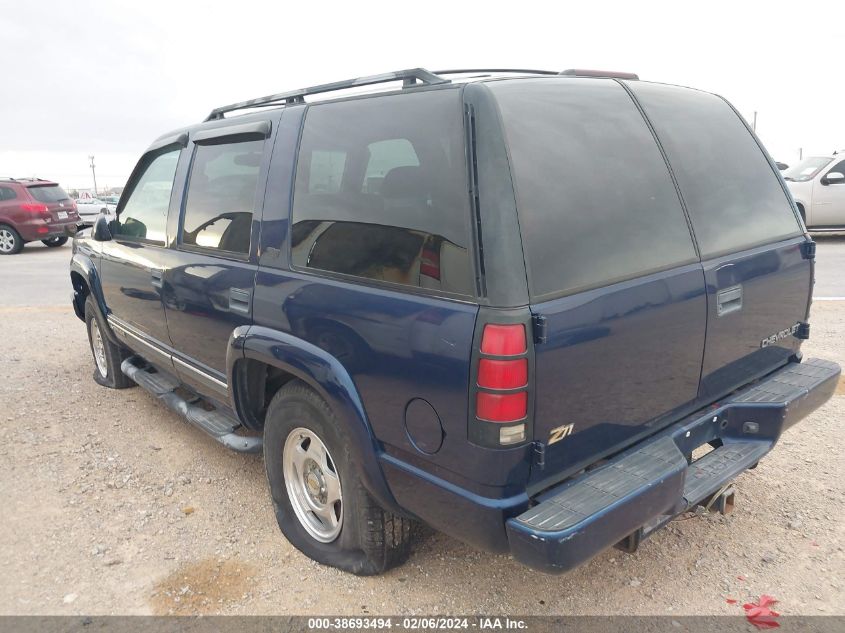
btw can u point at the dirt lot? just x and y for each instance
(113, 505)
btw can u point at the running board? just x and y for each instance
(217, 424)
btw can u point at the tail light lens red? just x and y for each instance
(502, 374)
(430, 263)
(508, 407)
(503, 340)
(34, 208)
(502, 378)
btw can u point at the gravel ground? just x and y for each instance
(113, 505)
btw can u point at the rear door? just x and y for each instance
(612, 269)
(208, 289)
(758, 281)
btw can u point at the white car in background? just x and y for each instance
(90, 208)
(818, 185)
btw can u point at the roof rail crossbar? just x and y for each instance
(408, 77)
(521, 71)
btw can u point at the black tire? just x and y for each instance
(113, 354)
(55, 242)
(371, 540)
(11, 242)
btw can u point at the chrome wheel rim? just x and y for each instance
(99, 349)
(313, 485)
(7, 241)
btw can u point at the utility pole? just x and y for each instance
(94, 173)
(800, 153)
(754, 122)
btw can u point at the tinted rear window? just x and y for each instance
(48, 193)
(595, 199)
(733, 195)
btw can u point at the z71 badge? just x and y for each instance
(779, 336)
(560, 432)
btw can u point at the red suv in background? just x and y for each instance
(33, 209)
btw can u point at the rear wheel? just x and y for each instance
(53, 242)
(321, 504)
(107, 355)
(10, 240)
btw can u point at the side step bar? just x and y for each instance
(216, 423)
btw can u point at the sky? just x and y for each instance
(106, 78)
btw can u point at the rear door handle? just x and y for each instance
(240, 300)
(728, 300)
(156, 278)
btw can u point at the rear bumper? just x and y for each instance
(38, 229)
(643, 488)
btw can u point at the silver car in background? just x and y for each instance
(90, 208)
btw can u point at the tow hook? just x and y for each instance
(722, 501)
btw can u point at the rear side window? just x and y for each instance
(381, 191)
(221, 196)
(49, 193)
(145, 213)
(595, 199)
(733, 195)
(7, 193)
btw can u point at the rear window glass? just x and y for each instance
(595, 199)
(381, 191)
(734, 197)
(48, 193)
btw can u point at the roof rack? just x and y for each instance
(408, 77)
(520, 71)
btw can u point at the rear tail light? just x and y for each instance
(430, 263)
(510, 407)
(502, 374)
(502, 381)
(35, 208)
(503, 340)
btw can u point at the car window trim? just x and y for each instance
(220, 135)
(180, 140)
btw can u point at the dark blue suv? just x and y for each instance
(510, 305)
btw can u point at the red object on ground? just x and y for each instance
(730, 600)
(760, 615)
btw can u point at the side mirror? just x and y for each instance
(833, 178)
(101, 232)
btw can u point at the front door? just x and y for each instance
(208, 293)
(132, 262)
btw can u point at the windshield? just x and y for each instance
(48, 193)
(806, 169)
